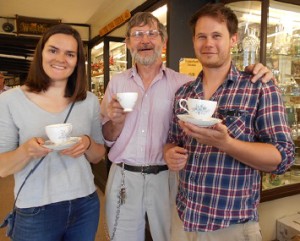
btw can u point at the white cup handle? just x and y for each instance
(181, 104)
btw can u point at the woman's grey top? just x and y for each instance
(59, 177)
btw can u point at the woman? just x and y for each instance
(58, 201)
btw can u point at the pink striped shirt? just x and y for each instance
(146, 127)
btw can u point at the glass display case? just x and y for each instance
(97, 70)
(107, 58)
(269, 32)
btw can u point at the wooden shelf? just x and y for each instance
(280, 192)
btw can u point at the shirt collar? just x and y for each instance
(162, 71)
(233, 75)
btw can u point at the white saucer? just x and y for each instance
(58, 147)
(199, 122)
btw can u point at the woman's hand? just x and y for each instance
(33, 148)
(94, 152)
(79, 148)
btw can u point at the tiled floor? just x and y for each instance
(6, 202)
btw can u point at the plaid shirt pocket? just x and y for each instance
(235, 120)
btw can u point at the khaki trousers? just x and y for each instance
(249, 231)
(151, 194)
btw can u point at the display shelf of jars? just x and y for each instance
(98, 86)
(117, 58)
(116, 67)
(107, 59)
(292, 176)
(97, 78)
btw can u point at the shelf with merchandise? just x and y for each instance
(107, 58)
(97, 85)
(117, 58)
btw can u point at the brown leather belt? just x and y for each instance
(154, 169)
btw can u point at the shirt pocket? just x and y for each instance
(235, 120)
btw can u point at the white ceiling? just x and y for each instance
(96, 13)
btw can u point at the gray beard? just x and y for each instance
(146, 60)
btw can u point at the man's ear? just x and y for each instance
(234, 40)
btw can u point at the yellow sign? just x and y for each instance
(115, 23)
(190, 66)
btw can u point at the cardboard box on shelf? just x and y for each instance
(288, 228)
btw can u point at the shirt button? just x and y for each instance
(143, 131)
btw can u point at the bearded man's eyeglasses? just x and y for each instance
(151, 34)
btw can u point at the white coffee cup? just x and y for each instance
(59, 133)
(127, 100)
(197, 108)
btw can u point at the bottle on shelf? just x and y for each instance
(250, 45)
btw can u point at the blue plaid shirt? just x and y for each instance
(215, 190)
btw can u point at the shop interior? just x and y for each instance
(269, 32)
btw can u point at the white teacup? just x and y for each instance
(59, 133)
(197, 108)
(127, 100)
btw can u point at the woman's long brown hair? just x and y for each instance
(37, 80)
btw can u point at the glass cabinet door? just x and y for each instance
(97, 70)
(117, 57)
(280, 42)
(107, 58)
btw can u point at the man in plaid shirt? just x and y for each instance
(219, 178)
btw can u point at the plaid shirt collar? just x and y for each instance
(233, 76)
